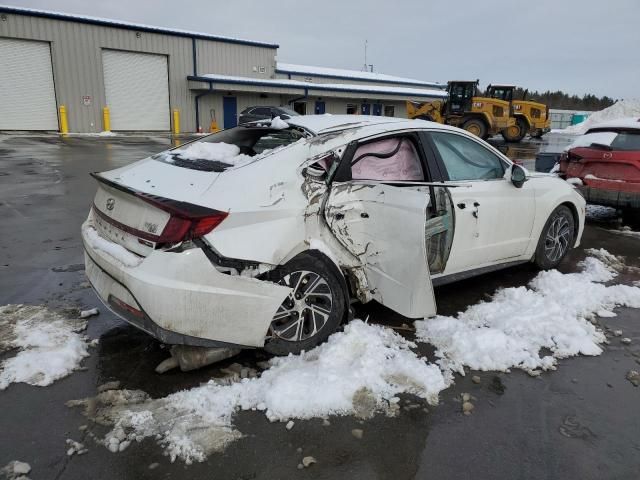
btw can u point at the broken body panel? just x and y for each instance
(388, 239)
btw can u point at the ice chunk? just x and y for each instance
(50, 345)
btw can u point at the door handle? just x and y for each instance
(364, 215)
(476, 204)
(462, 205)
(339, 216)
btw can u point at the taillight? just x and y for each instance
(187, 220)
(573, 157)
(180, 229)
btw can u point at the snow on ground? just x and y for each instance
(552, 313)
(599, 212)
(49, 345)
(359, 370)
(118, 252)
(619, 110)
(220, 152)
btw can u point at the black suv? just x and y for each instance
(251, 114)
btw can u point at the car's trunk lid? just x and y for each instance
(133, 205)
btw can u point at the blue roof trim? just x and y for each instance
(312, 86)
(132, 26)
(344, 77)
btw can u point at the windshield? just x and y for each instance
(289, 112)
(617, 140)
(230, 148)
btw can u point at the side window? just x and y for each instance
(466, 159)
(262, 111)
(394, 158)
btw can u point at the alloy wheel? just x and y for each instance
(557, 239)
(307, 308)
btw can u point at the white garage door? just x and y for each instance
(137, 90)
(27, 96)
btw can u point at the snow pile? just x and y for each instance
(619, 110)
(362, 368)
(217, 152)
(553, 313)
(278, 123)
(49, 345)
(118, 252)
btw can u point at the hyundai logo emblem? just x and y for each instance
(110, 203)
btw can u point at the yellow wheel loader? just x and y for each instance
(531, 117)
(463, 108)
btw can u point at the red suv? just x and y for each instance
(606, 163)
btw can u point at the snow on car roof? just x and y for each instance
(352, 74)
(628, 122)
(128, 25)
(322, 123)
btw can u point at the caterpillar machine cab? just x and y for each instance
(531, 117)
(464, 108)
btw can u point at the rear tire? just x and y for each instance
(476, 127)
(312, 312)
(556, 238)
(517, 133)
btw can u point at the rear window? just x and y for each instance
(230, 148)
(616, 140)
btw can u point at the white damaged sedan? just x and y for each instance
(262, 235)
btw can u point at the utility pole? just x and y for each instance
(365, 55)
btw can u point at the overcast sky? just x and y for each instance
(579, 46)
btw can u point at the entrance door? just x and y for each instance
(377, 109)
(230, 111)
(320, 106)
(381, 193)
(365, 109)
(494, 219)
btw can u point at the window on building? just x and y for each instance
(389, 111)
(352, 109)
(300, 107)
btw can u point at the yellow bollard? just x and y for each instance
(64, 124)
(176, 122)
(106, 119)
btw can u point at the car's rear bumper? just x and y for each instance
(181, 298)
(610, 197)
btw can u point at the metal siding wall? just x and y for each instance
(339, 106)
(77, 64)
(354, 81)
(231, 59)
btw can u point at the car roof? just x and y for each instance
(318, 124)
(626, 123)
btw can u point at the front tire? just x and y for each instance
(314, 309)
(556, 238)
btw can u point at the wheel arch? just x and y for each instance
(330, 263)
(524, 117)
(576, 218)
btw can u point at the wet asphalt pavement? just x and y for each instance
(579, 422)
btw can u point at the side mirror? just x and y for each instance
(518, 175)
(284, 116)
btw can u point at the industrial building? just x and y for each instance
(161, 79)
